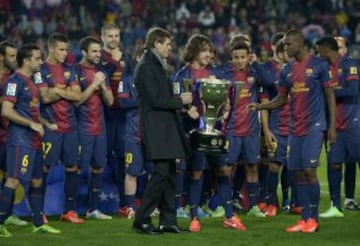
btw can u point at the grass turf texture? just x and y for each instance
(261, 231)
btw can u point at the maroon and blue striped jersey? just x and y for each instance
(21, 91)
(3, 122)
(90, 114)
(346, 87)
(127, 98)
(278, 118)
(116, 70)
(61, 112)
(241, 121)
(304, 80)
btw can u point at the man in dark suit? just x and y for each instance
(162, 136)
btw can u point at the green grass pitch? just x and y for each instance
(261, 231)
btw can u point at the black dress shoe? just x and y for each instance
(145, 229)
(172, 229)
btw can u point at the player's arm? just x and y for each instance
(264, 117)
(93, 87)
(8, 112)
(350, 90)
(47, 124)
(279, 101)
(226, 110)
(281, 98)
(331, 102)
(71, 93)
(48, 95)
(351, 84)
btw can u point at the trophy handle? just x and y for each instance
(187, 85)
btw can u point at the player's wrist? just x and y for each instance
(31, 124)
(266, 130)
(103, 89)
(94, 87)
(47, 124)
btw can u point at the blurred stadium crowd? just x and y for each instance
(22, 21)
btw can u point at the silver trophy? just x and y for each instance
(213, 93)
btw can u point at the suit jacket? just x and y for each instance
(162, 135)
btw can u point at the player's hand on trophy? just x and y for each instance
(193, 113)
(225, 115)
(253, 106)
(227, 106)
(226, 110)
(186, 97)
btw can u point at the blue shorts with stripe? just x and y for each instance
(280, 154)
(346, 148)
(201, 161)
(60, 147)
(23, 163)
(92, 150)
(304, 151)
(245, 148)
(134, 162)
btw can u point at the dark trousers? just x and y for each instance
(159, 193)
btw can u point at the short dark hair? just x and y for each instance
(240, 46)
(279, 48)
(25, 52)
(56, 37)
(156, 34)
(195, 45)
(276, 37)
(240, 37)
(6, 44)
(87, 41)
(328, 42)
(297, 34)
(139, 50)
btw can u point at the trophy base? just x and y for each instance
(208, 143)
